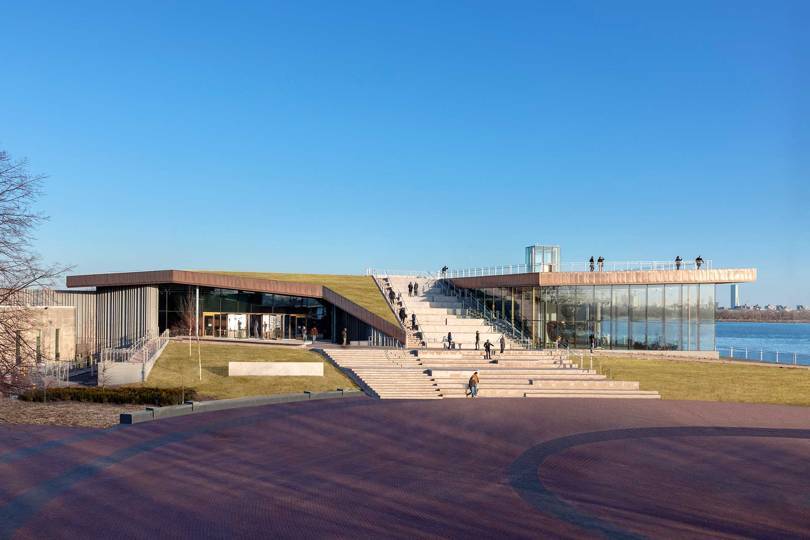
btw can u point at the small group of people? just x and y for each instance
(600, 262)
(679, 262)
(413, 288)
(488, 345)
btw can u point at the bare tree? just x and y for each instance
(20, 269)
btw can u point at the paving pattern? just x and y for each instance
(358, 467)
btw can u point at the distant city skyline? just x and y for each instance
(312, 137)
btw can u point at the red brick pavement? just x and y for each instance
(405, 469)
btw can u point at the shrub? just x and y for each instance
(134, 395)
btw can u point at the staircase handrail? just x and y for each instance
(480, 309)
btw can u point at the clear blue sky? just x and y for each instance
(331, 136)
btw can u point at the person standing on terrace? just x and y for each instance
(699, 262)
(601, 262)
(415, 288)
(678, 262)
(410, 288)
(590, 263)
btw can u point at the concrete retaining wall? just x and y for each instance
(194, 407)
(275, 369)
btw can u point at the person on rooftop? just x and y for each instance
(699, 262)
(590, 263)
(678, 261)
(601, 262)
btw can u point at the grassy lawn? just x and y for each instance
(359, 289)
(713, 381)
(174, 368)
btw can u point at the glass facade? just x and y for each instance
(655, 317)
(246, 314)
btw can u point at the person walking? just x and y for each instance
(416, 288)
(699, 262)
(392, 295)
(487, 350)
(592, 342)
(473, 385)
(503, 343)
(344, 336)
(601, 262)
(410, 288)
(402, 315)
(313, 332)
(477, 339)
(678, 261)
(590, 263)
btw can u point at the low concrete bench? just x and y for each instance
(275, 369)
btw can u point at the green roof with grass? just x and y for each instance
(359, 289)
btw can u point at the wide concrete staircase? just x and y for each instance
(522, 373)
(438, 373)
(386, 373)
(438, 314)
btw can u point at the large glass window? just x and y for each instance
(672, 317)
(706, 315)
(602, 318)
(655, 317)
(638, 316)
(584, 315)
(690, 317)
(621, 317)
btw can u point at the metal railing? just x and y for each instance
(378, 339)
(141, 351)
(764, 356)
(608, 266)
(474, 307)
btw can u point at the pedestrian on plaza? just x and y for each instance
(473, 385)
(344, 337)
(590, 263)
(391, 295)
(477, 339)
(487, 350)
(678, 261)
(402, 315)
(413, 321)
(449, 340)
(415, 288)
(410, 288)
(592, 341)
(503, 343)
(304, 333)
(313, 332)
(601, 262)
(699, 262)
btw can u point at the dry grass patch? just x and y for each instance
(174, 368)
(713, 381)
(63, 413)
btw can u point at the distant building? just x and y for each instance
(735, 295)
